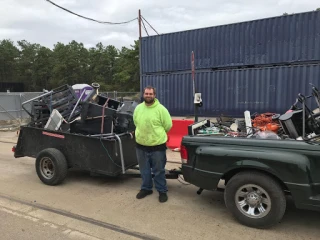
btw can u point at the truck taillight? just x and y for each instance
(183, 154)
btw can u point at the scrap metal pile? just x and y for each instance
(299, 122)
(81, 109)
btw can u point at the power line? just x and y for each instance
(149, 24)
(145, 27)
(89, 18)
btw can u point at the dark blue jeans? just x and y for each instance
(155, 161)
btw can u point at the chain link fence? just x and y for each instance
(123, 96)
(12, 114)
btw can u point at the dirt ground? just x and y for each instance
(115, 213)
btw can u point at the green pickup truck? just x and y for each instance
(258, 174)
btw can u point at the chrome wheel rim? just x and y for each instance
(47, 168)
(253, 201)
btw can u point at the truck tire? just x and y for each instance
(255, 199)
(51, 166)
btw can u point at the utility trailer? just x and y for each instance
(57, 152)
(92, 133)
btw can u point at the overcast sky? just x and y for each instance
(38, 21)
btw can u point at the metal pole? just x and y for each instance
(101, 135)
(48, 93)
(37, 97)
(193, 71)
(140, 44)
(193, 87)
(140, 35)
(76, 105)
(303, 119)
(20, 108)
(102, 121)
(121, 154)
(196, 113)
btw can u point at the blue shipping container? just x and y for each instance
(231, 92)
(277, 40)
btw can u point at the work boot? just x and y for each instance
(163, 197)
(143, 193)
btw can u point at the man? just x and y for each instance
(152, 121)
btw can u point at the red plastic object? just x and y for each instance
(178, 130)
(184, 154)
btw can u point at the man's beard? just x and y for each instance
(149, 100)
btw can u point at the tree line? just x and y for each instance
(39, 67)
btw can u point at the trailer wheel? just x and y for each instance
(51, 166)
(255, 199)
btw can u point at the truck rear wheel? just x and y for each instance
(255, 199)
(51, 166)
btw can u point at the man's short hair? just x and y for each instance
(150, 87)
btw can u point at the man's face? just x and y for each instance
(148, 96)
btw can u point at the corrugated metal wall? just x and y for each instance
(232, 92)
(278, 40)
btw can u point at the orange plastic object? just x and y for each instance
(264, 122)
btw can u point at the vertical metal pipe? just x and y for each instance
(121, 154)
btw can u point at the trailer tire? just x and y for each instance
(255, 199)
(51, 166)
